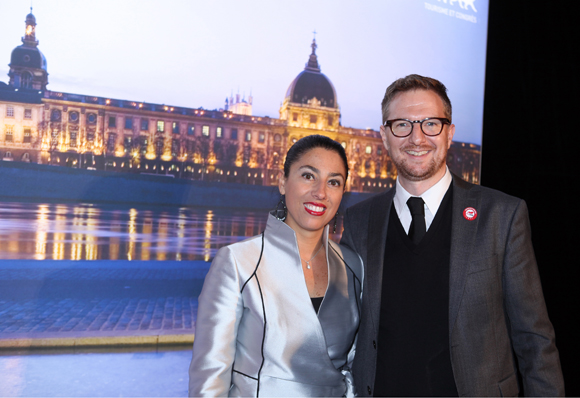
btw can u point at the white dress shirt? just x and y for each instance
(432, 198)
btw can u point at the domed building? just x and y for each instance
(27, 64)
(221, 145)
(311, 107)
(311, 101)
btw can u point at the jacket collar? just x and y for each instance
(282, 235)
(463, 241)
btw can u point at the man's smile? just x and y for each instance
(417, 153)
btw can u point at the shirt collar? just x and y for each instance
(432, 197)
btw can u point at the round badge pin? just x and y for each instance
(470, 213)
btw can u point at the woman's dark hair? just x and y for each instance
(309, 142)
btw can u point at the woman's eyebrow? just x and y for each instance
(306, 166)
(314, 169)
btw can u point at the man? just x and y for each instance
(452, 301)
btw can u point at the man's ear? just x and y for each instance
(383, 131)
(450, 134)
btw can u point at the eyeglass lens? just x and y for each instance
(402, 128)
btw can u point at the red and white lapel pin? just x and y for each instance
(470, 213)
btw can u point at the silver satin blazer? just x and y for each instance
(257, 333)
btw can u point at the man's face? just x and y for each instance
(418, 157)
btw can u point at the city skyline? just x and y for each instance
(146, 52)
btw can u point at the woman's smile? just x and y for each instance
(316, 209)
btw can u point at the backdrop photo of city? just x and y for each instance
(137, 137)
(228, 141)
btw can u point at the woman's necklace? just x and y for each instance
(315, 254)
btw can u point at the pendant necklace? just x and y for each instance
(315, 254)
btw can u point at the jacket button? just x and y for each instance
(369, 390)
(375, 344)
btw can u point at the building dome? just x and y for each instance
(311, 83)
(27, 57)
(30, 18)
(28, 68)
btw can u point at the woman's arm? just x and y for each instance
(216, 328)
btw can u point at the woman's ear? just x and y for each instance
(281, 182)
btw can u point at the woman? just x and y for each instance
(278, 313)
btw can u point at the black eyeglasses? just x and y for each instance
(430, 126)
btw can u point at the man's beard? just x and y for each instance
(423, 172)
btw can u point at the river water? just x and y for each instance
(107, 232)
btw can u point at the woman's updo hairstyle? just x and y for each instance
(309, 142)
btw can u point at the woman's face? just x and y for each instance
(313, 189)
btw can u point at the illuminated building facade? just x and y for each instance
(227, 145)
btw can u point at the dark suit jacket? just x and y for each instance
(496, 306)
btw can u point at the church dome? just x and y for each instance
(311, 83)
(30, 18)
(27, 57)
(27, 64)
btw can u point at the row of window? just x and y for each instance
(175, 129)
(313, 118)
(9, 134)
(56, 116)
(10, 112)
(73, 117)
(140, 144)
(8, 156)
(175, 126)
(368, 148)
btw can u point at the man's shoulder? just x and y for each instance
(487, 194)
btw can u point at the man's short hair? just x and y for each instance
(416, 82)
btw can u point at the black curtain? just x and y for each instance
(530, 145)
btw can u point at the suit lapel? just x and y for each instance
(463, 233)
(377, 237)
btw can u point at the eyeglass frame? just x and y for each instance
(444, 120)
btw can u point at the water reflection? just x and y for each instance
(102, 232)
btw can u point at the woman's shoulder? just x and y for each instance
(248, 243)
(240, 252)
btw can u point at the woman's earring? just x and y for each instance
(335, 220)
(281, 209)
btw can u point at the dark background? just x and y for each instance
(530, 146)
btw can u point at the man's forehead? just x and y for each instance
(416, 100)
(417, 94)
